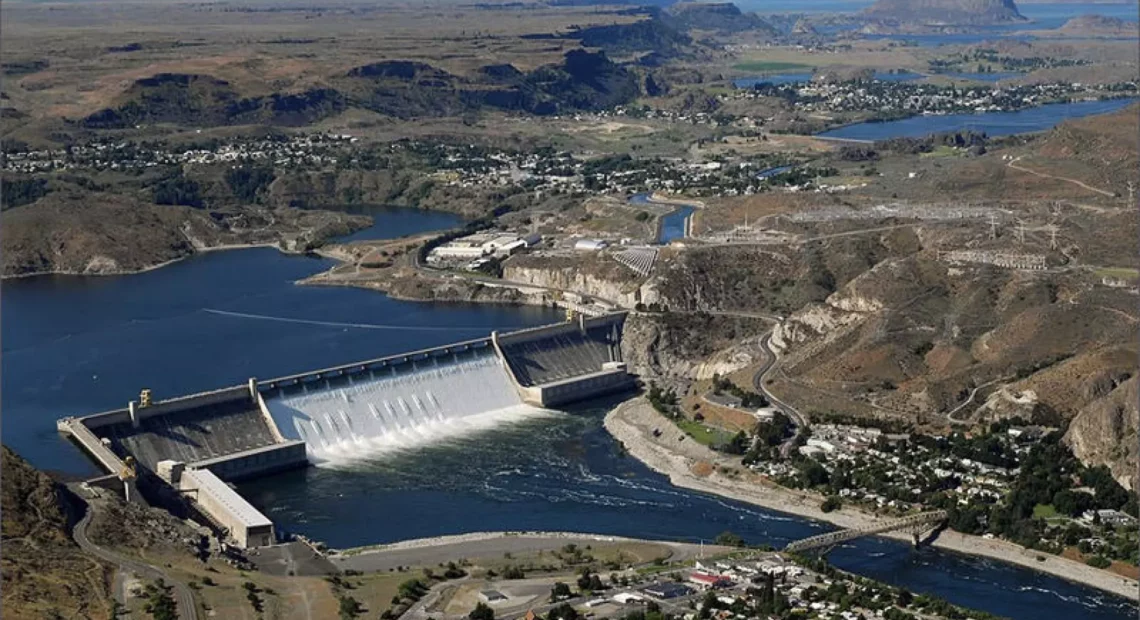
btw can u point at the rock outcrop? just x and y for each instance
(1105, 431)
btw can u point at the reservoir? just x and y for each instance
(76, 345)
(993, 124)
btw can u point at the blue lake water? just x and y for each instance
(993, 123)
(796, 78)
(672, 226)
(392, 222)
(996, 76)
(74, 345)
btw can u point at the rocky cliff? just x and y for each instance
(605, 279)
(1105, 432)
(685, 347)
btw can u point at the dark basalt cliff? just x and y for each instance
(946, 12)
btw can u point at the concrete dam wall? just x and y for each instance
(348, 412)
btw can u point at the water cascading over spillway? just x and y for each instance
(398, 407)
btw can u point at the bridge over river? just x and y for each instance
(915, 524)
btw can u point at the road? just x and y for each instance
(1082, 184)
(759, 381)
(187, 609)
(432, 552)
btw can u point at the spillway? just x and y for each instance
(398, 406)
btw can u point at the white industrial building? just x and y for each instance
(244, 523)
(591, 245)
(479, 245)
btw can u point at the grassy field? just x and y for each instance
(1044, 511)
(1120, 273)
(765, 66)
(702, 434)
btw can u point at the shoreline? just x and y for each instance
(632, 423)
(166, 263)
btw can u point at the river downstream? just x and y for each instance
(75, 345)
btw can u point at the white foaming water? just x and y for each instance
(396, 409)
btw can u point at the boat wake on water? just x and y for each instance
(285, 319)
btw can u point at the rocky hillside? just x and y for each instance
(1099, 149)
(201, 100)
(1105, 430)
(399, 88)
(684, 347)
(1099, 26)
(97, 233)
(945, 12)
(45, 574)
(715, 17)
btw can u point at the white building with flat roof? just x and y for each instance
(245, 524)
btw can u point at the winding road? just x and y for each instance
(187, 609)
(759, 380)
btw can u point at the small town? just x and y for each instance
(896, 99)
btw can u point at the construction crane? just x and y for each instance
(130, 469)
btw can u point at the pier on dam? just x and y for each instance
(197, 444)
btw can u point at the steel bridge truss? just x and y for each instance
(915, 524)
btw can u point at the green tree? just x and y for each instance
(559, 591)
(729, 539)
(350, 608)
(481, 612)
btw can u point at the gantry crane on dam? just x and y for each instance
(915, 524)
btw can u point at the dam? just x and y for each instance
(196, 445)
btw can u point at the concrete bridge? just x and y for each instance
(915, 524)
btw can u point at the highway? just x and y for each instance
(187, 609)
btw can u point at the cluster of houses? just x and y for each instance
(924, 98)
(302, 150)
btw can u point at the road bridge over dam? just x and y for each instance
(194, 444)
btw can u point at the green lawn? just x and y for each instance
(943, 150)
(702, 434)
(1044, 511)
(767, 66)
(1123, 273)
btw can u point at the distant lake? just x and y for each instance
(796, 78)
(992, 123)
(982, 77)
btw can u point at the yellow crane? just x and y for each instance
(130, 470)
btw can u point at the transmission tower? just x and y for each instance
(993, 226)
(1021, 231)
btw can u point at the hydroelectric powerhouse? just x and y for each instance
(191, 446)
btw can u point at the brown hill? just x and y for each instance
(45, 574)
(1099, 150)
(1099, 26)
